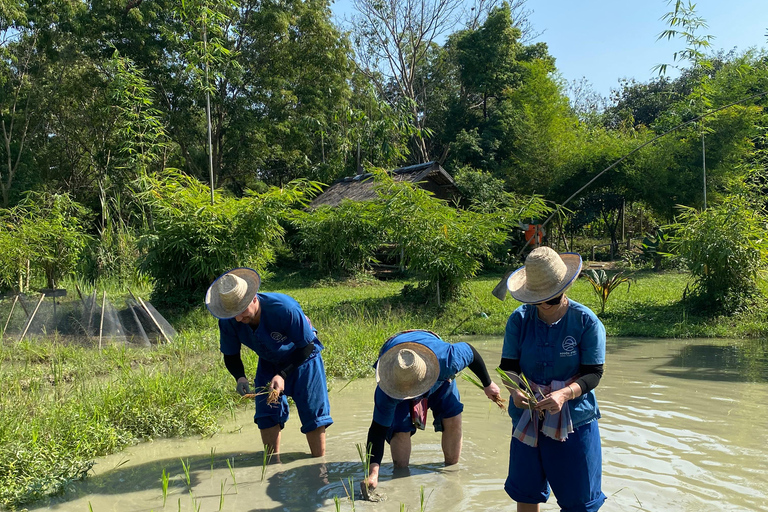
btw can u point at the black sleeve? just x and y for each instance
(377, 434)
(298, 357)
(510, 365)
(590, 375)
(478, 368)
(235, 365)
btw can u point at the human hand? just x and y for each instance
(278, 384)
(553, 402)
(243, 386)
(373, 476)
(492, 391)
(519, 399)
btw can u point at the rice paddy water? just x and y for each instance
(683, 429)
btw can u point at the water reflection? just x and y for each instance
(683, 429)
(743, 361)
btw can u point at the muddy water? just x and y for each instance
(683, 429)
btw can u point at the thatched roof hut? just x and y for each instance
(430, 176)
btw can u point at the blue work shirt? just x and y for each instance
(555, 352)
(283, 328)
(452, 358)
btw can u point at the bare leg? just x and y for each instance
(271, 438)
(316, 440)
(452, 437)
(400, 446)
(527, 507)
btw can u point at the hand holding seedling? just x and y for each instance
(278, 384)
(493, 392)
(554, 401)
(373, 476)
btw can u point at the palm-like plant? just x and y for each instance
(603, 284)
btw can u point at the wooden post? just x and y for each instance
(15, 300)
(153, 320)
(101, 322)
(42, 296)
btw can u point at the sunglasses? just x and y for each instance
(551, 302)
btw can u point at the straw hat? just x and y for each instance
(545, 275)
(407, 370)
(232, 292)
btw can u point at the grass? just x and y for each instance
(63, 405)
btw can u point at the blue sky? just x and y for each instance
(606, 40)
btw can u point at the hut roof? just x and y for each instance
(430, 176)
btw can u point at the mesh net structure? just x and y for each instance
(84, 319)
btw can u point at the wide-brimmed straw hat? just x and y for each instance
(407, 370)
(232, 292)
(546, 275)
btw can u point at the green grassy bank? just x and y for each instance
(64, 405)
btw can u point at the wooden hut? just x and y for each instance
(430, 176)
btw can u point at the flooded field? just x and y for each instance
(683, 429)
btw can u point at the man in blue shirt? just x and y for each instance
(274, 326)
(416, 370)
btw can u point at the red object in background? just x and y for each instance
(534, 234)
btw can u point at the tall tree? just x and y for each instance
(392, 41)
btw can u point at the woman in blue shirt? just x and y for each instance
(559, 345)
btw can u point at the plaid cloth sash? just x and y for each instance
(556, 426)
(419, 413)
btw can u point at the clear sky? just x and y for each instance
(606, 40)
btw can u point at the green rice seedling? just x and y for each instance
(352, 492)
(265, 460)
(337, 503)
(422, 500)
(221, 494)
(213, 454)
(231, 466)
(365, 458)
(525, 388)
(402, 507)
(179, 502)
(497, 400)
(165, 486)
(187, 476)
(90, 507)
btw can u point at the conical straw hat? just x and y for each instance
(232, 292)
(546, 275)
(407, 370)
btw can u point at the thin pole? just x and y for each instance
(704, 168)
(153, 320)
(15, 299)
(42, 296)
(101, 322)
(208, 107)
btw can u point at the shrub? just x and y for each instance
(724, 248)
(441, 244)
(45, 229)
(190, 242)
(341, 238)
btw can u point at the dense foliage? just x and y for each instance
(241, 96)
(726, 248)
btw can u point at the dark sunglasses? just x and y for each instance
(551, 302)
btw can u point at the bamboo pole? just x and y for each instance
(101, 322)
(153, 320)
(29, 323)
(15, 300)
